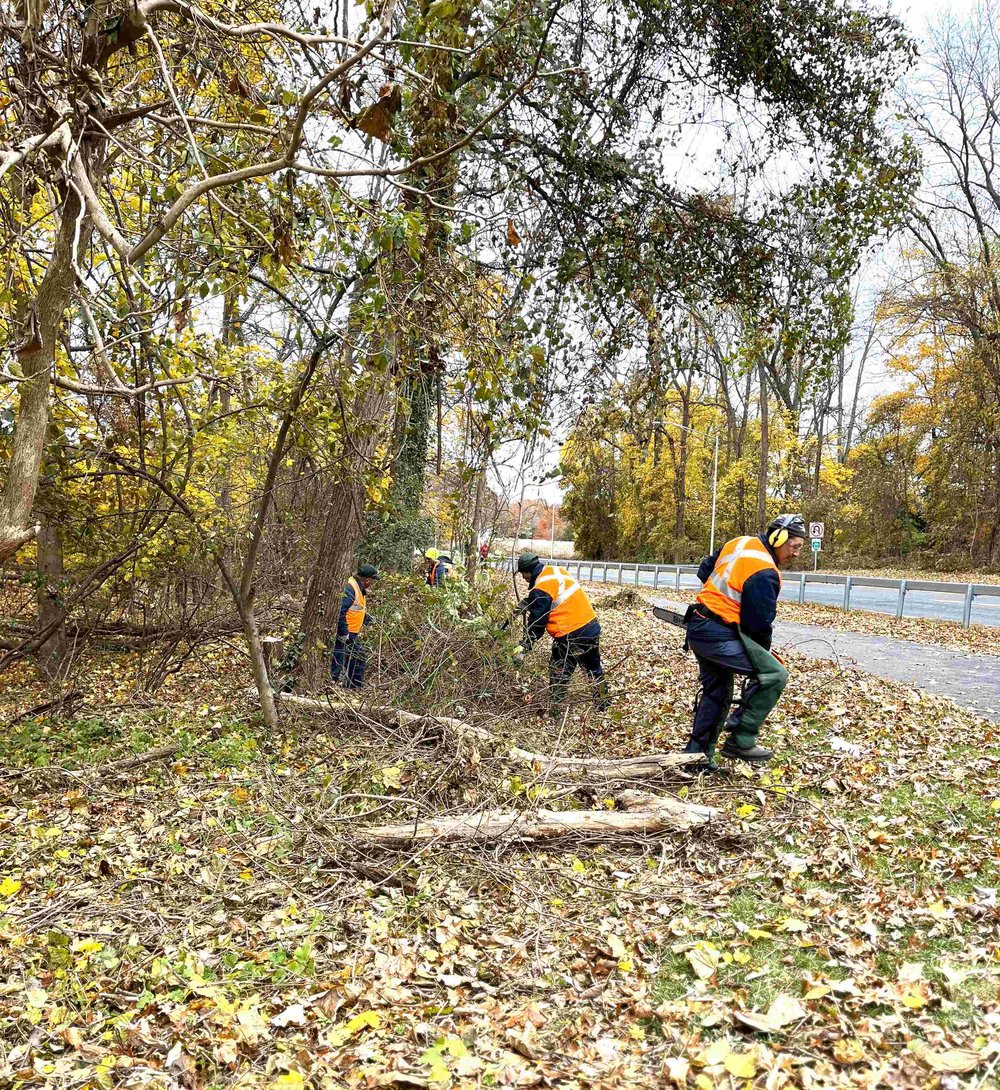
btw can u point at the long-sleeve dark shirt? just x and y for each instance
(539, 607)
(345, 604)
(759, 601)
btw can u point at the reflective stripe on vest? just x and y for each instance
(738, 561)
(571, 608)
(356, 612)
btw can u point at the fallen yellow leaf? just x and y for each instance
(713, 1055)
(740, 1064)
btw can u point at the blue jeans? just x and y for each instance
(349, 660)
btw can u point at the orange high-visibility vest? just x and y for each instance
(356, 612)
(571, 608)
(738, 560)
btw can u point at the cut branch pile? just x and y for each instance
(642, 813)
(645, 766)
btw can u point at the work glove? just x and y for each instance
(519, 653)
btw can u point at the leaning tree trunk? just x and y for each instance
(42, 323)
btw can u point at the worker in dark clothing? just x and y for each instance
(557, 604)
(349, 658)
(438, 567)
(729, 630)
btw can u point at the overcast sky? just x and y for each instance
(916, 15)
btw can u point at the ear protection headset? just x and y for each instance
(777, 537)
(781, 529)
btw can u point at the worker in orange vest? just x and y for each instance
(349, 658)
(557, 604)
(729, 629)
(437, 567)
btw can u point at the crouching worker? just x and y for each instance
(437, 570)
(349, 658)
(729, 630)
(557, 604)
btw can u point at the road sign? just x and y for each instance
(816, 544)
(816, 530)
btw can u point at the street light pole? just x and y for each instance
(715, 471)
(715, 490)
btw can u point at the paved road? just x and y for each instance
(971, 680)
(918, 603)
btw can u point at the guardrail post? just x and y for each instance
(619, 575)
(802, 588)
(901, 599)
(847, 594)
(656, 576)
(677, 577)
(967, 611)
(637, 575)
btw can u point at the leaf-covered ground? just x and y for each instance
(214, 919)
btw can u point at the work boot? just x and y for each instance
(755, 755)
(601, 696)
(707, 765)
(703, 768)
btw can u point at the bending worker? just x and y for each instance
(349, 657)
(437, 567)
(729, 630)
(557, 604)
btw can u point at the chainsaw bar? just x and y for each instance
(671, 612)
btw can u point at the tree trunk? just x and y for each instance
(644, 814)
(819, 451)
(35, 354)
(258, 663)
(343, 529)
(408, 530)
(680, 476)
(472, 552)
(763, 464)
(342, 532)
(52, 652)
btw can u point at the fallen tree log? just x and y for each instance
(644, 814)
(645, 766)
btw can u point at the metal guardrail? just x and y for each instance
(664, 575)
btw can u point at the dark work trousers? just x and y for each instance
(349, 661)
(582, 649)
(722, 653)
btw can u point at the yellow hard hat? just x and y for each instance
(432, 554)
